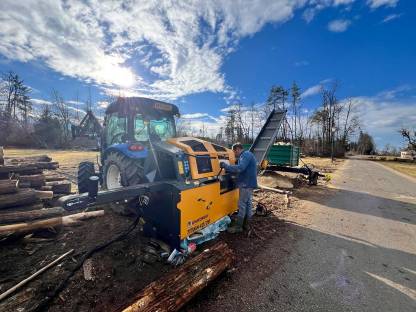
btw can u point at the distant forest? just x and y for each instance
(333, 127)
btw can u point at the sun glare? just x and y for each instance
(115, 74)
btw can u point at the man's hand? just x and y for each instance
(223, 165)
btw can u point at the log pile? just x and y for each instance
(28, 186)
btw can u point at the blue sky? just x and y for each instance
(202, 55)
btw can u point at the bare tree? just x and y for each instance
(334, 122)
(409, 137)
(62, 113)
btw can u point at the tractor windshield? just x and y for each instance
(164, 128)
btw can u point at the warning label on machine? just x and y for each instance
(197, 224)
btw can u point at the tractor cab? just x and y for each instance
(138, 120)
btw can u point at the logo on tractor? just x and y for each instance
(162, 106)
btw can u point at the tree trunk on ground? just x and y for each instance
(42, 224)
(8, 186)
(42, 158)
(49, 177)
(23, 197)
(44, 194)
(36, 180)
(176, 288)
(60, 187)
(5, 171)
(21, 216)
(47, 165)
(36, 206)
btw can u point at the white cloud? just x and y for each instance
(391, 17)
(194, 116)
(78, 103)
(180, 45)
(311, 91)
(318, 5)
(383, 118)
(339, 25)
(316, 89)
(401, 91)
(40, 102)
(374, 4)
(97, 40)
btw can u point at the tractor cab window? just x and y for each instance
(163, 128)
(116, 129)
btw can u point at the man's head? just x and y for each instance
(237, 149)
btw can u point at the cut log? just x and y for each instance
(274, 190)
(22, 197)
(8, 186)
(35, 181)
(44, 194)
(13, 217)
(54, 177)
(176, 288)
(60, 187)
(23, 169)
(35, 206)
(42, 224)
(52, 165)
(42, 158)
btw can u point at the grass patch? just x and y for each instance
(406, 168)
(68, 160)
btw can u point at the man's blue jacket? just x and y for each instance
(246, 169)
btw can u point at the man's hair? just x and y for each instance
(237, 145)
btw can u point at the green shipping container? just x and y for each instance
(283, 155)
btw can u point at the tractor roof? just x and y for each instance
(141, 105)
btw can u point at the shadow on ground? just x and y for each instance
(272, 274)
(393, 209)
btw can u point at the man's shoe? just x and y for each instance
(237, 227)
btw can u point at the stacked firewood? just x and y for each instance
(29, 188)
(30, 175)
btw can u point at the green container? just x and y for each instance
(283, 155)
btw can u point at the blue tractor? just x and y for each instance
(130, 127)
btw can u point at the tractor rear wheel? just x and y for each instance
(85, 171)
(119, 171)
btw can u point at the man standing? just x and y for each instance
(246, 169)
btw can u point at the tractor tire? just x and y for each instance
(131, 171)
(85, 171)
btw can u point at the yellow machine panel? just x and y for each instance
(203, 205)
(204, 157)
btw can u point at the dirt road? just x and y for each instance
(351, 247)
